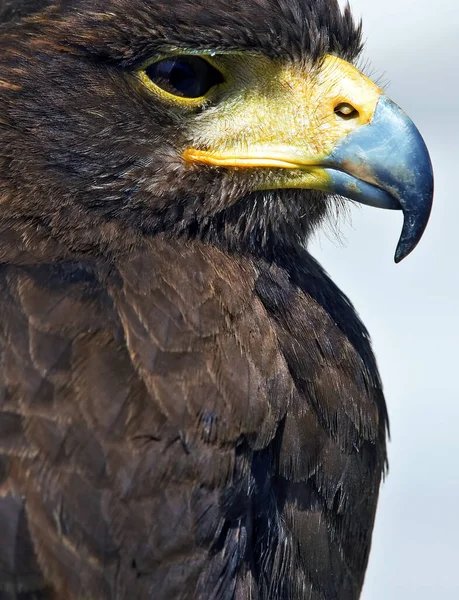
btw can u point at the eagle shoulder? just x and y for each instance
(188, 423)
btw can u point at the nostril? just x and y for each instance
(346, 111)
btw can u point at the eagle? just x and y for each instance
(190, 409)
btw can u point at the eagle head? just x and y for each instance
(240, 122)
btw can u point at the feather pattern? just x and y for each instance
(162, 454)
(189, 408)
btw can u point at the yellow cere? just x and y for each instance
(274, 115)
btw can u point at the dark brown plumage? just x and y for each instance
(189, 408)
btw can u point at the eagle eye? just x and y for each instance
(184, 76)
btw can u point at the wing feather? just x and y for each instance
(183, 424)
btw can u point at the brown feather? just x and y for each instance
(159, 449)
(189, 408)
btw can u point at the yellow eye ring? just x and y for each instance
(186, 79)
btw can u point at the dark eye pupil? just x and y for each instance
(186, 76)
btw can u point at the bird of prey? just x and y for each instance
(189, 407)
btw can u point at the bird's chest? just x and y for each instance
(186, 403)
(262, 400)
(230, 346)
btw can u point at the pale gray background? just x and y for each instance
(412, 310)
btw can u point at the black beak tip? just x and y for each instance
(401, 253)
(414, 225)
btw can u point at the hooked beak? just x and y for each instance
(386, 164)
(348, 138)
